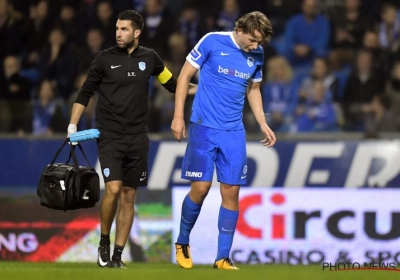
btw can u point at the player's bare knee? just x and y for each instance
(113, 189)
(198, 195)
(199, 191)
(128, 197)
(129, 192)
(230, 198)
(230, 191)
(127, 205)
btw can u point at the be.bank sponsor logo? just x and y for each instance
(233, 72)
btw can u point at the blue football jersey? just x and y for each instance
(225, 71)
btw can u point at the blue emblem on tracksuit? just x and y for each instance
(106, 172)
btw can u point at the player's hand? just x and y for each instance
(72, 129)
(270, 138)
(178, 128)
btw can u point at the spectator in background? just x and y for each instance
(69, 21)
(178, 51)
(57, 61)
(307, 36)
(10, 33)
(105, 21)
(94, 44)
(327, 7)
(380, 58)
(389, 28)
(228, 15)
(392, 90)
(348, 28)
(321, 71)
(158, 22)
(379, 117)
(279, 11)
(14, 86)
(279, 94)
(362, 85)
(48, 115)
(15, 91)
(37, 31)
(317, 114)
(191, 26)
(139, 5)
(208, 9)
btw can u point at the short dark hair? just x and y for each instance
(255, 21)
(135, 17)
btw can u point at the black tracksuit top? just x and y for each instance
(122, 81)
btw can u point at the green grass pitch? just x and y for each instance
(165, 271)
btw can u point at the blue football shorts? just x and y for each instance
(226, 149)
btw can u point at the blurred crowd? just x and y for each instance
(333, 65)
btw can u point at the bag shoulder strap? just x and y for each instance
(59, 151)
(83, 153)
(74, 159)
(71, 153)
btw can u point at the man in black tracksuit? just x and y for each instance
(121, 76)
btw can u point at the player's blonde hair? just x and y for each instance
(253, 21)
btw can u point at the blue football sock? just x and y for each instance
(190, 213)
(227, 220)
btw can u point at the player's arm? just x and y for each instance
(194, 61)
(77, 111)
(256, 105)
(178, 123)
(183, 87)
(91, 83)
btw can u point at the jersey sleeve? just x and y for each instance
(200, 52)
(257, 76)
(164, 76)
(93, 79)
